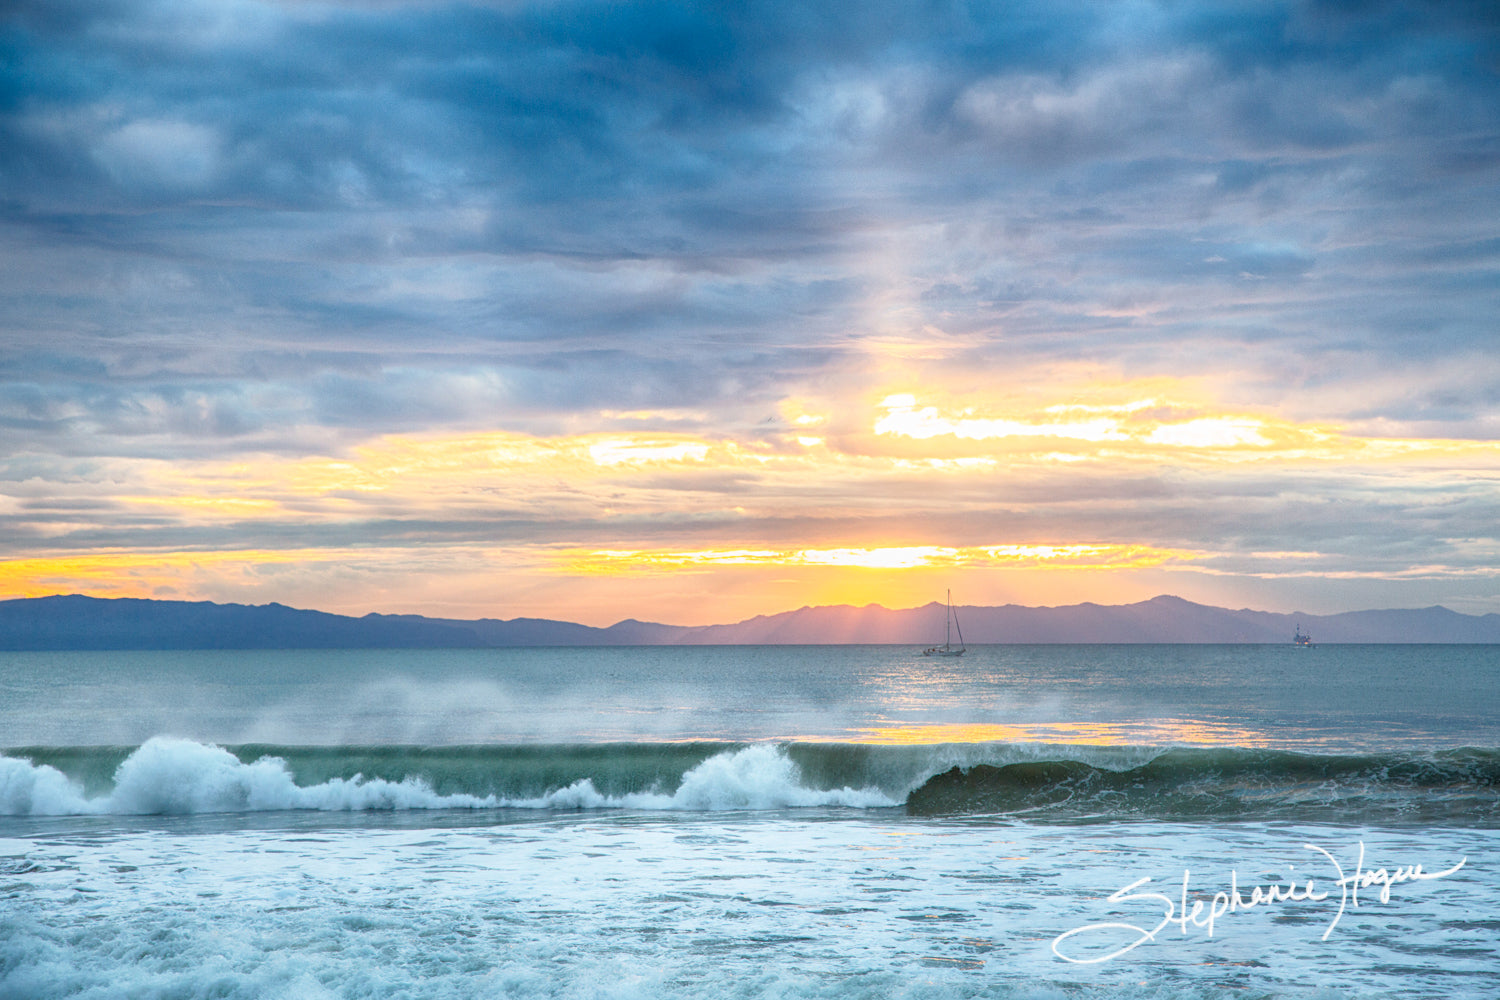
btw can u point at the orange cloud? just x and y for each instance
(871, 505)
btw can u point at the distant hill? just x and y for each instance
(77, 622)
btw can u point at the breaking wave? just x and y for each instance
(1026, 782)
(1459, 787)
(175, 776)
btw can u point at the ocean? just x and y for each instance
(752, 822)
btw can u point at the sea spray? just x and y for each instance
(1031, 782)
(669, 858)
(168, 776)
(756, 777)
(28, 789)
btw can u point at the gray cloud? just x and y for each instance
(262, 227)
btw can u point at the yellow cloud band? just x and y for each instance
(1092, 556)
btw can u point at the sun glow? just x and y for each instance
(1155, 429)
(1097, 556)
(1153, 732)
(623, 451)
(141, 574)
(1098, 424)
(880, 499)
(1210, 432)
(904, 419)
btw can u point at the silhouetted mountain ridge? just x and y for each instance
(78, 622)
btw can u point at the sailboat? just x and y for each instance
(947, 648)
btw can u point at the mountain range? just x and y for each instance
(74, 621)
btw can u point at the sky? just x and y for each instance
(692, 312)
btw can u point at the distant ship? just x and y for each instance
(947, 648)
(1301, 638)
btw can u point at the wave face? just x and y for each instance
(1454, 787)
(1030, 782)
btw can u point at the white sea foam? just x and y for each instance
(755, 777)
(30, 790)
(173, 776)
(176, 776)
(690, 905)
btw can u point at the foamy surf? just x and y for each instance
(1032, 782)
(173, 777)
(632, 824)
(168, 776)
(756, 777)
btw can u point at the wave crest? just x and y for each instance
(168, 776)
(756, 777)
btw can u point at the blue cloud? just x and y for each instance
(346, 192)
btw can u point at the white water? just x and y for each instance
(174, 777)
(757, 777)
(649, 905)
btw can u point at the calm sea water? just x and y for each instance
(752, 822)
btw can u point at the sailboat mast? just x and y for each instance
(949, 624)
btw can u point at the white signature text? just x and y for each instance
(1204, 913)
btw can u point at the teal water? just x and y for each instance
(1334, 698)
(783, 822)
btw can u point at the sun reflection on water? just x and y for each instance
(1149, 732)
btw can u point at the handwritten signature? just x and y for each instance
(1204, 913)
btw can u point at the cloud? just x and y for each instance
(282, 232)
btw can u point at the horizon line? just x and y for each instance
(776, 614)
